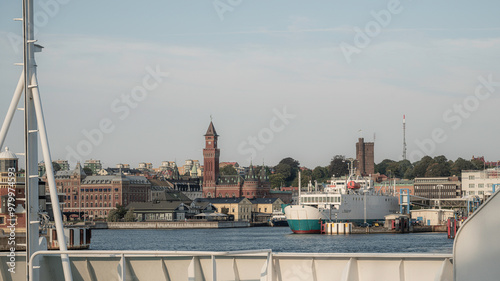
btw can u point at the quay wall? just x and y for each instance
(171, 225)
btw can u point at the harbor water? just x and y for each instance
(279, 239)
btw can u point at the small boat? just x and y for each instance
(278, 219)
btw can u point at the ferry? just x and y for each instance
(345, 199)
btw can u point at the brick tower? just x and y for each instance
(211, 162)
(365, 157)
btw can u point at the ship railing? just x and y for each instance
(263, 265)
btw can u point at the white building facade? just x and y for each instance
(481, 183)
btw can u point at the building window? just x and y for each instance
(91, 204)
(471, 185)
(481, 185)
(471, 177)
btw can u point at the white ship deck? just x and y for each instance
(469, 261)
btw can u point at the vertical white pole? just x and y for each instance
(30, 142)
(32, 109)
(50, 177)
(300, 187)
(12, 109)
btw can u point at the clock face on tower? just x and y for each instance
(209, 142)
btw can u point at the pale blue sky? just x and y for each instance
(261, 57)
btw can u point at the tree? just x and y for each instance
(88, 171)
(117, 214)
(404, 165)
(277, 180)
(320, 174)
(228, 170)
(113, 216)
(392, 170)
(305, 177)
(129, 216)
(338, 166)
(291, 162)
(478, 164)
(224, 210)
(409, 174)
(288, 168)
(461, 164)
(382, 166)
(420, 167)
(56, 166)
(438, 167)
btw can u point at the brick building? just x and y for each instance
(95, 196)
(365, 157)
(229, 186)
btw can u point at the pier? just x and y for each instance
(170, 225)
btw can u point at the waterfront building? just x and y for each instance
(263, 208)
(95, 196)
(438, 187)
(159, 210)
(123, 166)
(94, 165)
(229, 186)
(365, 163)
(239, 208)
(480, 183)
(432, 216)
(101, 194)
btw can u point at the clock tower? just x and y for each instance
(210, 162)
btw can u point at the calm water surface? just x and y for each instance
(279, 239)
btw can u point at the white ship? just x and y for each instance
(347, 199)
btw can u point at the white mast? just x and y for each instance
(300, 187)
(404, 137)
(33, 124)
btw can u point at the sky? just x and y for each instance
(139, 81)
